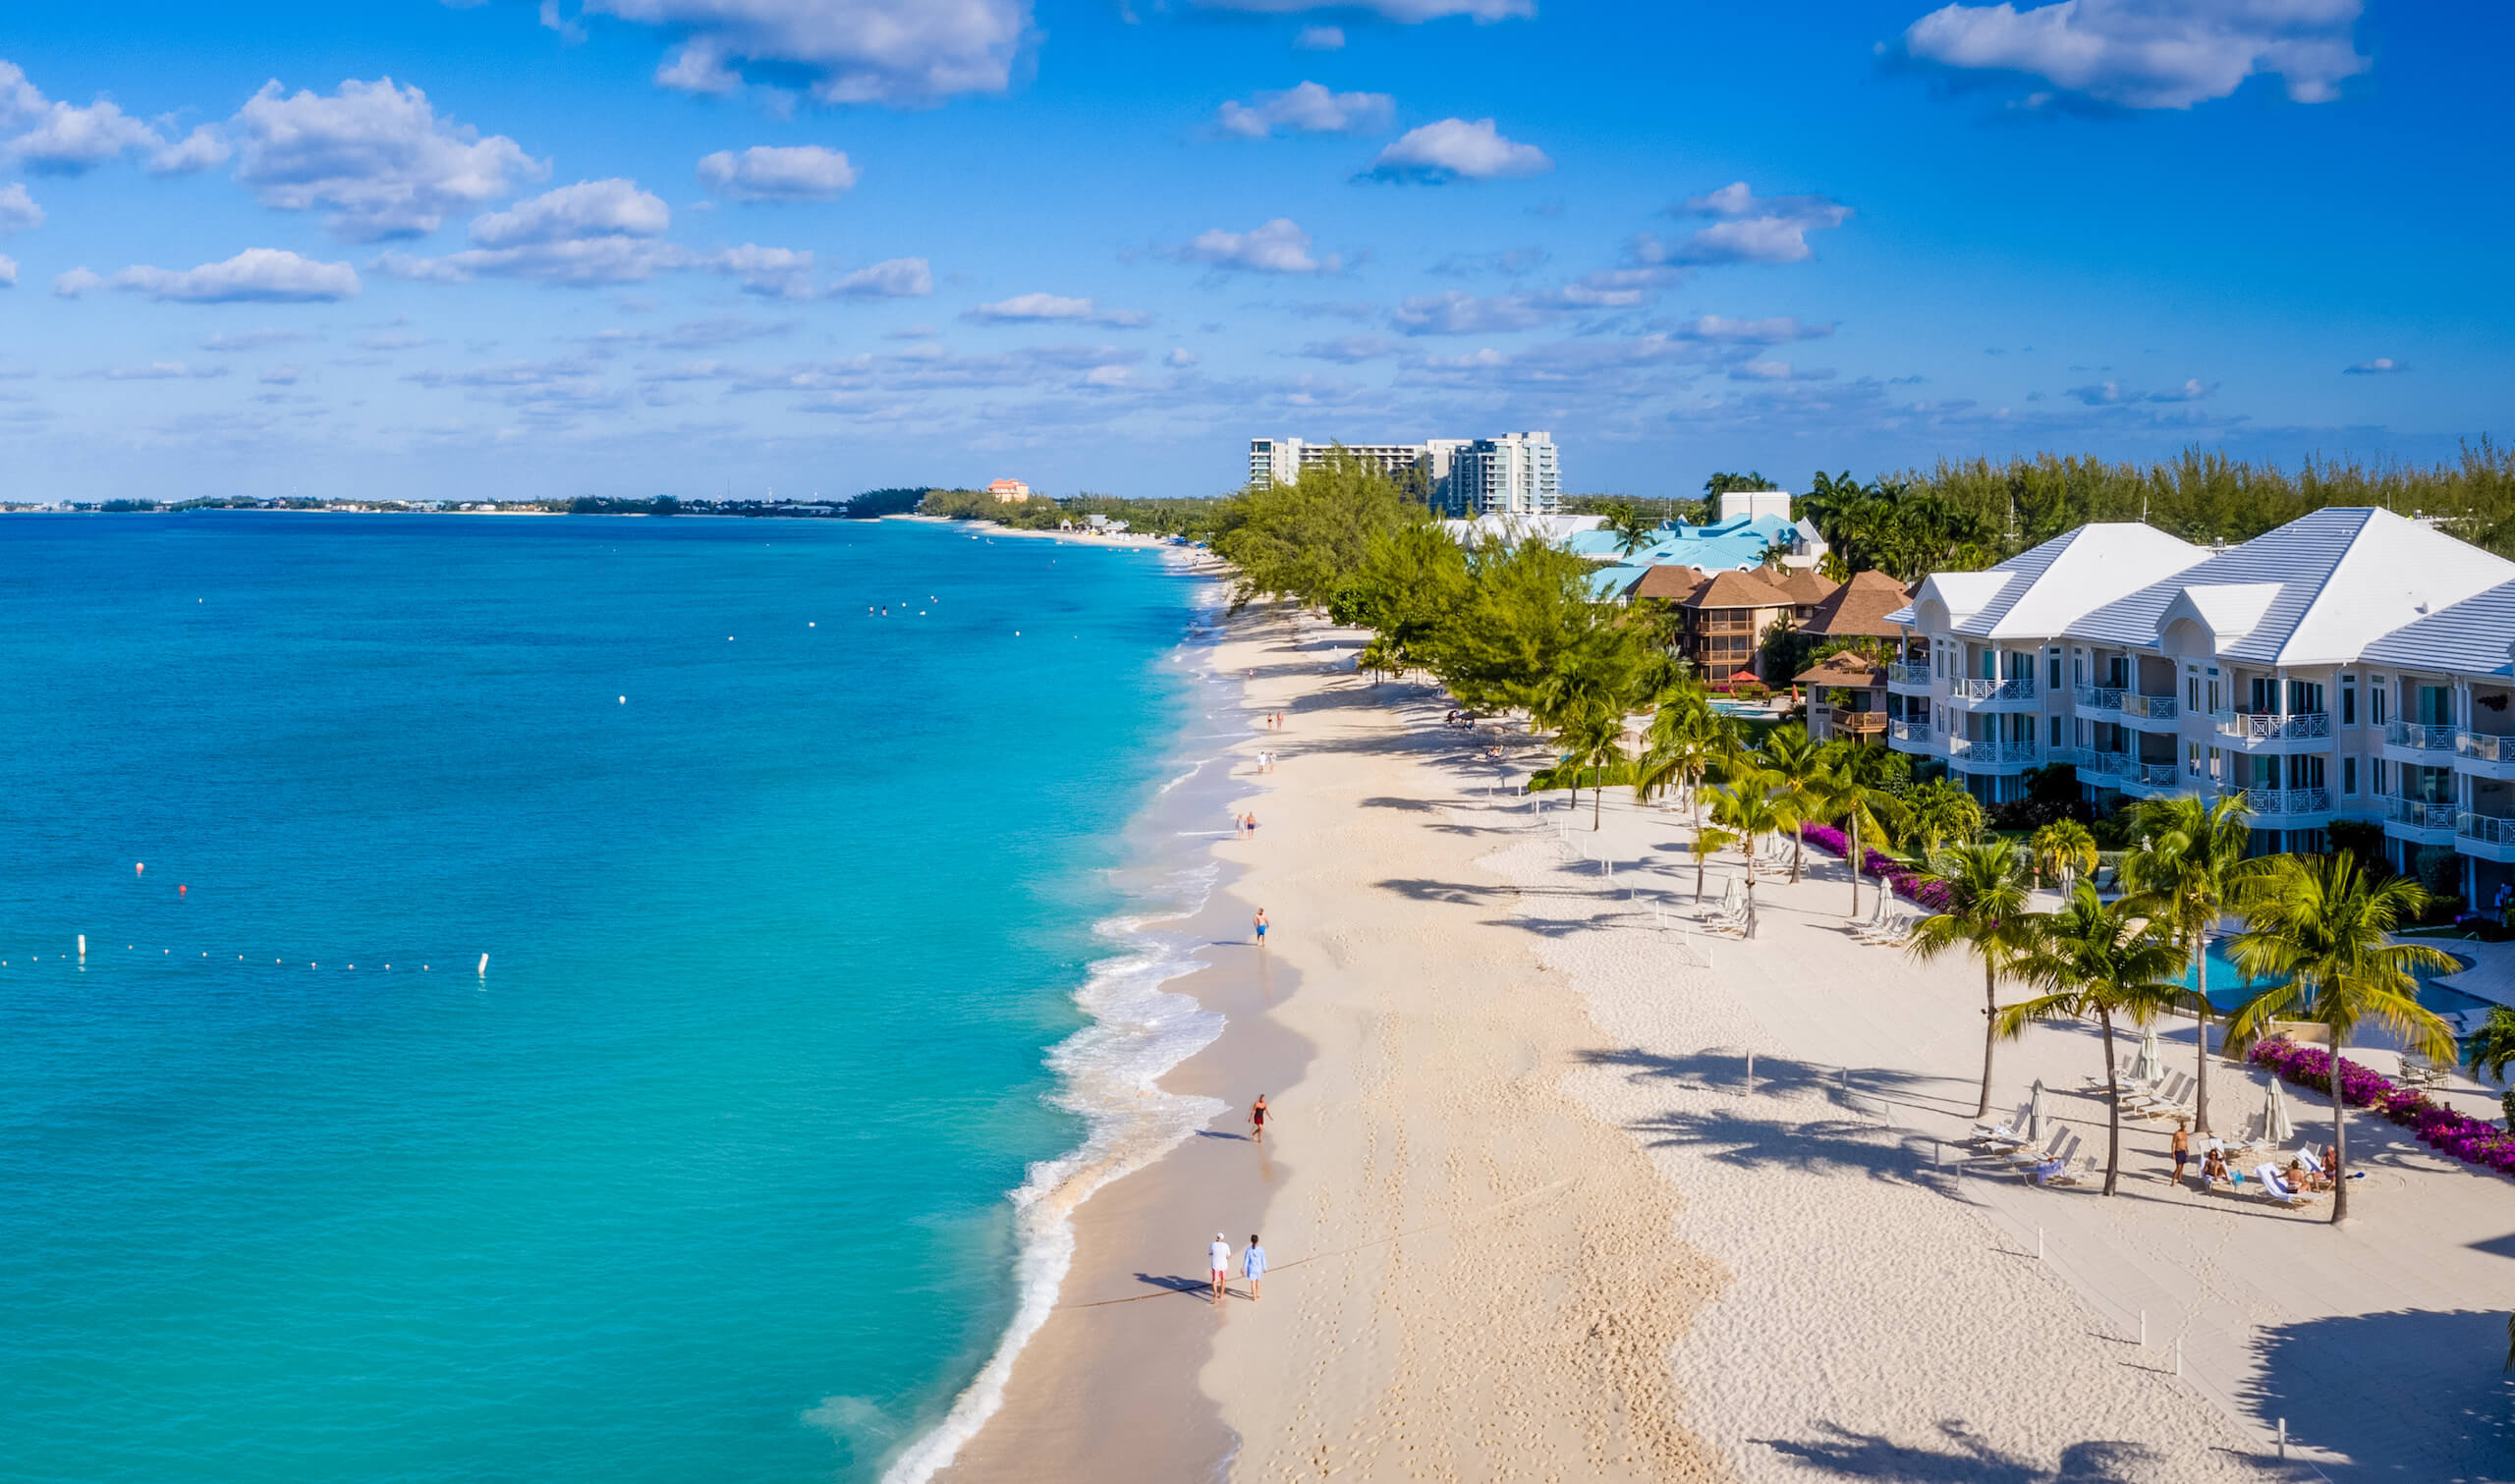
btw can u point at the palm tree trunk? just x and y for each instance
(1990, 1033)
(2201, 1009)
(1597, 797)
(1798, 847)
(1697, 881)
(1855, 862)
(1750, 898)
(2339, 1138)
(2114, 1113)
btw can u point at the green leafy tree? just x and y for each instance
(2488, 1050)
(1794, 764)
(1633, 528)
(1749, 811)
(1409, 591)
(1593, 742)
(1308, 539)
(2192, 865)
(2320, 931)
(1682, 745)
(1942, 812)
(2106, 961)
(1986, 916)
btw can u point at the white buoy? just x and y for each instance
(82, 947)
(485, 966)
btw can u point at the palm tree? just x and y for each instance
(1794, 764)
(2190, 862)
(1848, 790)
(2320, 928)
(1750, 809)
(1593, 739)
(1942, 811)
(1683, 743)
(1633, 529)
(2103, 960)
(2063, 850)
(1986, 916)
(1709, 841)
(2488, 1050)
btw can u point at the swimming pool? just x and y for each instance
(2228, 986)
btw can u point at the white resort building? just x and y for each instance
(1512, 474)
(2350, 665)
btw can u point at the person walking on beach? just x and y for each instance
(1260, 922)
(2182, 1147)
(1218, 1258)
(1257, 1116)
(1253, 1265)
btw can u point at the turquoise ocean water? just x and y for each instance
(708, 1178)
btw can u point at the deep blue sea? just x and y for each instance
(785, 903)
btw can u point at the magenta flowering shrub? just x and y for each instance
(2442, 1128)
(1900, 877)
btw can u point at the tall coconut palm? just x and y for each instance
(2318, 929)
(1683, 743)
(1593, 740)
(2190, 862)
(1709, 841)
(1794, 764)
(1847, 791)
(1750, 809)
(2115, 961)
(1987, 916)
(2488, 1050)
(2064, 851)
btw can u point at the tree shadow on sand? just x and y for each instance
(1966, 1459)
(2409, 1394)
(1721, 1068)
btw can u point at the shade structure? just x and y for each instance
(2148, 1065)
(2277, 1128)
(2034, 1129)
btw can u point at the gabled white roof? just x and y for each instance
(2039, 593)
(2475, 636)
(2344, 576)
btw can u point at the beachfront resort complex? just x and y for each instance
(1510, 474)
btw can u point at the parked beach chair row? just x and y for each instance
(1730, 913)
(1894, 924)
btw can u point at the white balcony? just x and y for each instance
(1990, 694)
(1972, 756)
(2270, 732)
(2414, 737)
(2484, 754)
(2147, 780)
(2287, 809)
(2485, 835)
(1908, 680)
(2101, 698)
(2422, 820)
(2150, 713)
(1911, 732)
(2107, 770)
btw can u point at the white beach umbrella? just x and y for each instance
(2033, 1128)
(2275, 1126)
(2148, 1065)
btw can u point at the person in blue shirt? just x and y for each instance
(1253, 1265)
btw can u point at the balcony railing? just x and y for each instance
(1909, 731)
(1908, 675)
(1724, 626)
(2489, 829)
(2156, 708)
(2158, 775)
(2265, 726)
(2419, 814)
(2282, 802)
(2485, 747)
(2426, 739)
(1971, 751)
(2021, 688)
(2110, 764)
(2100, 698)
(1858, 721)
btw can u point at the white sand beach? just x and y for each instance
(1528, 1216)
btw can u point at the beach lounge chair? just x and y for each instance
(2277, 1189)
(1876, 917)
(1895, 928)
(2006, 1129)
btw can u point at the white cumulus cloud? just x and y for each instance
(1752, 229)
(589, 208)
(1032, 307)
(1319, 39)
(848, 51)
(1458, 149)
(161, 370)
(2381, 365)
(204, 149)
(376, 155)
(267, 275)
(62, 138)
(1307, 108)
(76, 282)
(899, 278)
(18, 210)
(772, 272)
(1277, 246)
(8, 271)
(2143, 54)
(777, 173)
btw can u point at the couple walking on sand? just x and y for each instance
(1253, 1265)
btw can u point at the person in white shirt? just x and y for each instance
(1218, 1258)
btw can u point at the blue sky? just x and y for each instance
(697, 246)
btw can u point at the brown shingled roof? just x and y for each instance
(1857, 609)
(1737, 590)
(1807, 585)
(1846, 668)
(1671, 581)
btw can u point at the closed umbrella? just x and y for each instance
(2148, 1065)
(2032, 1132)
(2276, 1127)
